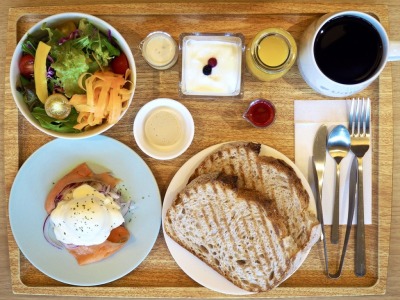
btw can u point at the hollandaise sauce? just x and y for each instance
(87, 218)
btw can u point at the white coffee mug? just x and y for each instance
(325, 83)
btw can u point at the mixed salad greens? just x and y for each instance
(65, 53)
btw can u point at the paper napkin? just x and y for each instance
(308, 116)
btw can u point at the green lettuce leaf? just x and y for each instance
(54, 35)
(89, 52)
(65, 126)
(29, 46)
(69, 64)
(27, 89)
(95, 43)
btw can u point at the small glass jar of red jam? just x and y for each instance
(260, 113)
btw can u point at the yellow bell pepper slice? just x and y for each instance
(40, 71)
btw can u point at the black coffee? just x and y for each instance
(348, 49)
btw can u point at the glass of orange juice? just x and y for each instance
(271, 54)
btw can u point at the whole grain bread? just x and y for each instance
(238, 232)
(274, 179)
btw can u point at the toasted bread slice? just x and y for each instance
(237, 232)
(273, 178)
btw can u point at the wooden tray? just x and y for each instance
(216, 121)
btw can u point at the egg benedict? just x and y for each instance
(86, 219)
(86, 214)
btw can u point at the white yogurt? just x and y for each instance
(225, 77)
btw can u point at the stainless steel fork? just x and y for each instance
(359, 127)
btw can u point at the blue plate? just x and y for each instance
(52, 161)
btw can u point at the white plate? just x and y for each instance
(49, 163)
(189, 263)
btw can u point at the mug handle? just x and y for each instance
(394, 51)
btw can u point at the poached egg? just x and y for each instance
(87, 218)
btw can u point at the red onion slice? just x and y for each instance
(47, 233)
(125, 206)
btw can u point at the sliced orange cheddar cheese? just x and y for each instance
(107, 96)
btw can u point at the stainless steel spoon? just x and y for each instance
(338, 146)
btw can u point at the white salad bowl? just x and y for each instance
(53, 21)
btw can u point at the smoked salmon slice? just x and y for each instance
(81, 173)
(89, 254)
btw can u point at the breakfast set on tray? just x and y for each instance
(238, 217)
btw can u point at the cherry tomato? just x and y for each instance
(26, 65)
(119, 64)
(57, 106)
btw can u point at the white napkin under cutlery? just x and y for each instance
(308, 116)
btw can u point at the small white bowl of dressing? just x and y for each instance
(163, 128)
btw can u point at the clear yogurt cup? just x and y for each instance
(223, 77)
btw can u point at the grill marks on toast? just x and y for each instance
(263, 211)
(267, 256)
(291, 208)
(269, 176)
(237, 232)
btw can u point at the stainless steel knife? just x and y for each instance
(319, 154)
(320, 216)
(318, 167)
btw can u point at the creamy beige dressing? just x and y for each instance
(164, 128)
(159, 49)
